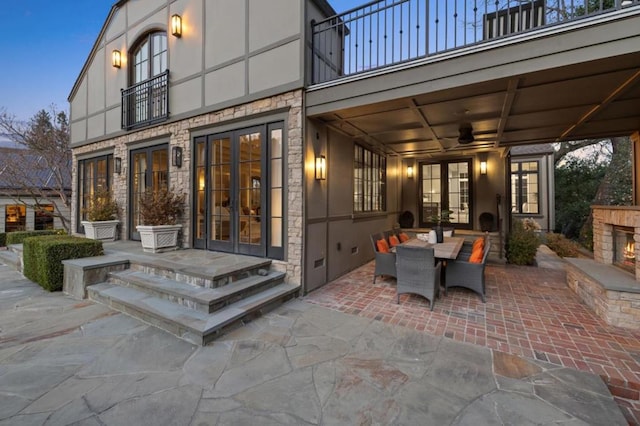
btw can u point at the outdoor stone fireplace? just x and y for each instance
(610, 283)
(616, 234)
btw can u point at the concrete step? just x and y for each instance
(189, 324)
(11, 258)
(207, 276)
(205, 300)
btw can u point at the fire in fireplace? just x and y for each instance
(624, 248)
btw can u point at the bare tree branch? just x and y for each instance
(39, 173)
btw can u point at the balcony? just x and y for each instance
(384, 33)
(146, 103)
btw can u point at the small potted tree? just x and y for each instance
(102, 216)
(160, 211)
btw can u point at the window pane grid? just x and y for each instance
(369, 179)
(525, 187)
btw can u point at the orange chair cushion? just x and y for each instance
(393, 240)
(476, 254)
(382, 245)
(479, 242)
(403, 237)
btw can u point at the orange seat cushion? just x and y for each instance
(479, 242)
(382, 245)
(476, 255)
(403, 237)
(393, 240)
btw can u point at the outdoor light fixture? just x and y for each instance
(176, 156)
(626, 3)
(117, 165)
(321, 168)
(176, 25)
(410, 172)
(483, 167)
(116, 58)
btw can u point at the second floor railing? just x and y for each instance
(387, 32)
(146, 102)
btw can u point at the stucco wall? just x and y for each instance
(230, 52)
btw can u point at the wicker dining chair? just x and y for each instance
(385, 262)
(417, 272)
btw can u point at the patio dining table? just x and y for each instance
(447, 249)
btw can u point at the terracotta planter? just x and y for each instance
(159, 238)
(104, 230)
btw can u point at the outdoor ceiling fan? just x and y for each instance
(465, 136)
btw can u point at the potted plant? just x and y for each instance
(160, 211)
(443, 218)
(102, 216)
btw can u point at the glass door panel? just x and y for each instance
(149, 171)
(431, 192)
(249, 191)
(200, 210)
(220, 158)
(458, 188)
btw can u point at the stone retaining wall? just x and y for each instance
(618, 308)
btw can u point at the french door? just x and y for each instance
(231, 206)
(149, 171)
(446, 186)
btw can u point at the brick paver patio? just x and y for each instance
(529, 312)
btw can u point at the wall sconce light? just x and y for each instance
(117, 165)
(410, 172)
(483, 167)
(321, 168)
(176, 156)
(176, 25)
(116, 58)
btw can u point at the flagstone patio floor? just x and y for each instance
(529, 311)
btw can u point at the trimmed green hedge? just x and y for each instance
(3, 239)
(18, 237)
(43, 257)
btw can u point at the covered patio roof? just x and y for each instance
(577, 81)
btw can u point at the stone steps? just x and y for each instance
(205, 300)
(192, 325)
(194, 302)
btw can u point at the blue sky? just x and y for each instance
(44, 44)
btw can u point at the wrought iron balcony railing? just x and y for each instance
(146, 103)
(388, 32)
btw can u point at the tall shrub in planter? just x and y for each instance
(160, 212)
(522, 245)
(102, 216)
(43, 257)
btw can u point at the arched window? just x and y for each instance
(149, 58)
(146, 100)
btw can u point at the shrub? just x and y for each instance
(161, 207)
(522, 245)
(562, 246)
(19, 236)
(101, 206)
(43, 257)
(3, 239)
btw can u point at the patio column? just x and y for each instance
(635, 143)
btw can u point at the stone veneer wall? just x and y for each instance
(619, 308)
(604, 218)
(179, 134)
